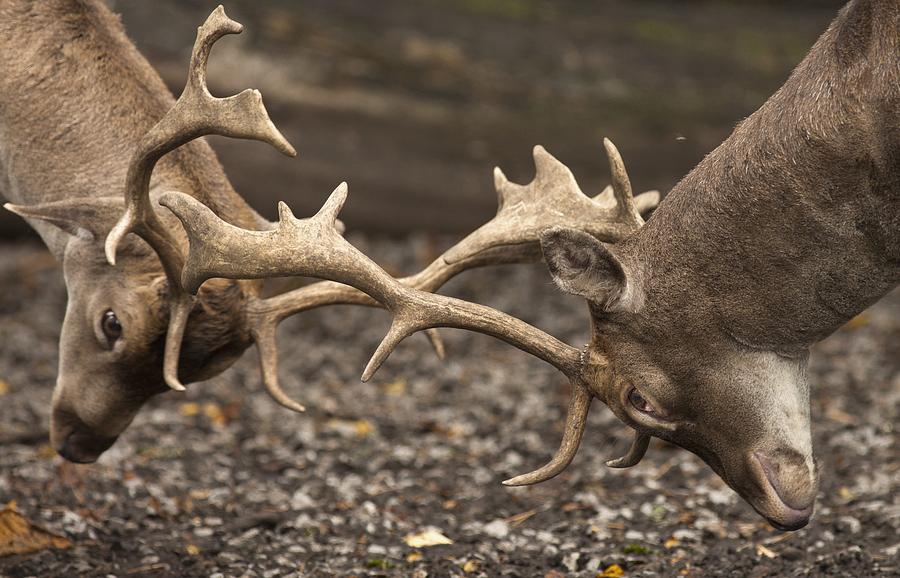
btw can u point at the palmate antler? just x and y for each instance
(195, 114)
(315, 248)
(524, 211)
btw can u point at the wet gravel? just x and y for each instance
(222, 482)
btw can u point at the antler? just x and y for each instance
(315, 248)
(513, 236)
(196, 113)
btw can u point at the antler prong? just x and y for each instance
(576, 419)
(621, 184)
(636, 451)
(179, 311)
(267, 346)
(333, 205)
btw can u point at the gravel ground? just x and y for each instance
(222, 482)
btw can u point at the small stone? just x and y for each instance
(497, 529)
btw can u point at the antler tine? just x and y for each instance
(264, 336)
(621, 185)
(576, 419)
(636, 451)
(195, 113)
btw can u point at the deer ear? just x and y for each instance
(93, 216)
(583, 266)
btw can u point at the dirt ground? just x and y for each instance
(220, 481)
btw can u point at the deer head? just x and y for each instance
(743, 411)
(126, 318)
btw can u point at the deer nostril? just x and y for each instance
(791, 479)
(74, 440)
(83, 447)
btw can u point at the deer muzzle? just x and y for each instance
(787, 487)
(74, 440)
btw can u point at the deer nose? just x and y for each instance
(74, 440)
(794, 484)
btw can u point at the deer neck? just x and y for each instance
(792, 226)
(75, 98)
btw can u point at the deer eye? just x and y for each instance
(111, 327)
(639, 402)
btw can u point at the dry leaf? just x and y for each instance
(19, 536)
(426, 539)
(396, 387)
(414, 557)
(346, 427)
(763, 551)
(189, 409)
(519, 519)
(4, 386)
(471, 566)
(214, 413)
(671, 543)
(860, 320)
(192, 549)
(840, 416)
(613, 571)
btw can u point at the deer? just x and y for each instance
(91, 139)
(702, 318)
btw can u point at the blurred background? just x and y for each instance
(414, 102)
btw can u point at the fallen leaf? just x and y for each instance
(4, 386)
(363, 428)
(840, 416)
(396, 387)
(192, 549)
(763, 551)
(214, 413)
(414, 557)
(189, 409)
(687, 518)
(671, 543)
(845, 493)
(346, 427)
(471, 566)
(612, 571)
(426, 539)
(19, 536)
(519, 519)
(860, 320)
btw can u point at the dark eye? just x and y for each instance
(112, 329)
(639, 403)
